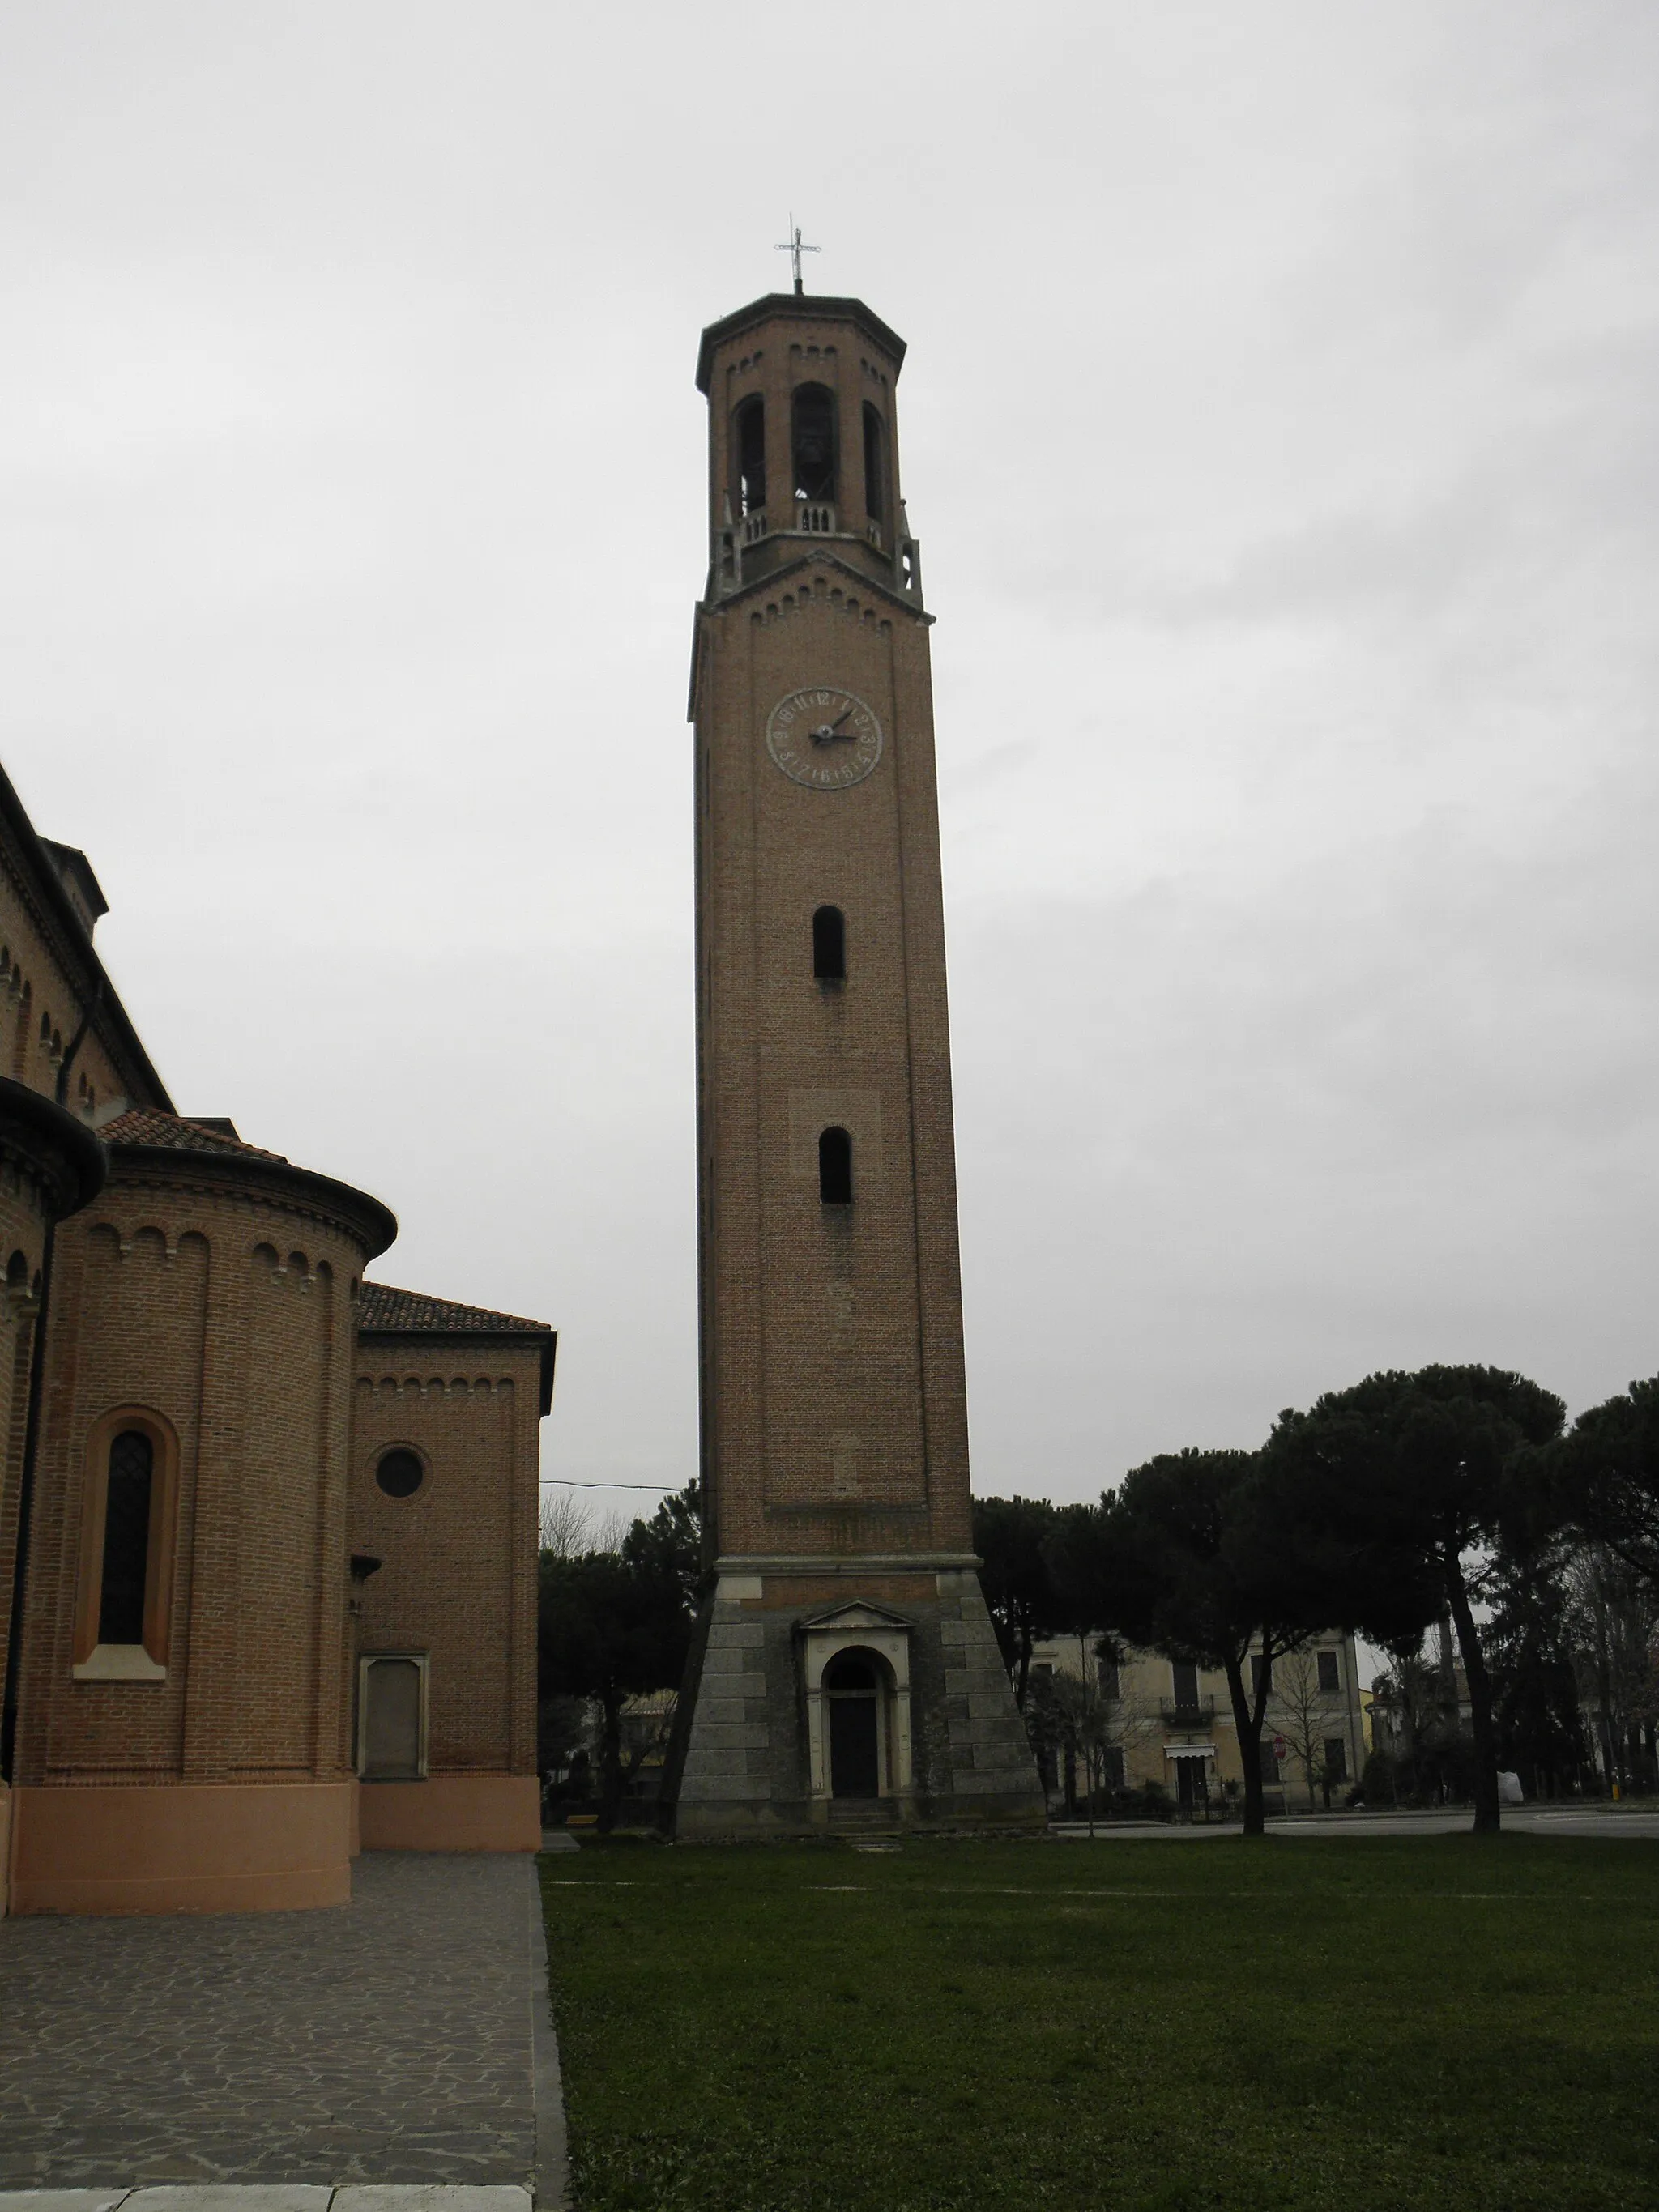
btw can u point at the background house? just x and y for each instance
(1168, 1724)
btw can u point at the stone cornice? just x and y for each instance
(49, 907)
(818, 557)
(796, 307)
(337, 1205)
(52, 1147)
(544, 1342)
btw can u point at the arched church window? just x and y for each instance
(836, 1168)
(875, 465)
(829, 945)
(813, 423)
(126, 1538)
(749, 450)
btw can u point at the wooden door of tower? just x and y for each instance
(851, 1692)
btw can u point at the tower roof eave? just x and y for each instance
(820, 558)
(806, 306)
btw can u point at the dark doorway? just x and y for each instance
(1191, 1785)
(851, 1690)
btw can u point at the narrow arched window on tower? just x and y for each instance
(829, 945)
(126, 1538)
(814, 441)
(836, 1168)
(749, 451)
(875, 466)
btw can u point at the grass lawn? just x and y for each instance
(1117, 2027)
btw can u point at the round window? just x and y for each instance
(399, 1472)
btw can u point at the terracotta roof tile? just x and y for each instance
(381, 1307)
(143, 1125)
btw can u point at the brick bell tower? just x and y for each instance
(846, 1673)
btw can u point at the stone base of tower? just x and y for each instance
(857, 1693)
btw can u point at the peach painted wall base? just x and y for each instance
(254, 1847)
(453, 1812)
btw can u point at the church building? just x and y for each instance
(267, 1529)
(847, 1675)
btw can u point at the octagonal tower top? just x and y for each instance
(803, 443)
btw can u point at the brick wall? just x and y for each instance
(458, 1572)
(835, 1402)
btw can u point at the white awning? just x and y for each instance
(1189, 1751)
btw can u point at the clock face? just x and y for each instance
(823, 737)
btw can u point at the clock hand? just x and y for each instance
(828, 733)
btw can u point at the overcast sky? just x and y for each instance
(1278, 426)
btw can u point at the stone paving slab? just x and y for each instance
(262, 2196)
(231, 2197)
(386, 2040)
(61, 2200)
(375, 2198)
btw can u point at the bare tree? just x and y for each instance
(571, 1528)
(1084, 1716)
(564, 1523)
(1303, 1713)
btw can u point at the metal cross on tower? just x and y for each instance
(793, 247)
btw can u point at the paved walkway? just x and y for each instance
(1590, 1819)
(389, 2040)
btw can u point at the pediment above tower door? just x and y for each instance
(858, 1612)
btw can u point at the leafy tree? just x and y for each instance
(1418, 1702)
(1407, 1484)
(1190, 1557)
(670, 1544)
(1529, 1653)
(1603, 1478)
(615, 1624)
(1009, 1535)
(561, 1727)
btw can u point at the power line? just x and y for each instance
(558, 1482)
